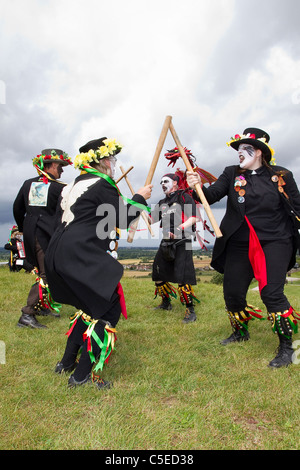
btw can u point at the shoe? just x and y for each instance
(29, 321)
(190, 315)
(100, 383)
(74, 383)
(236, 337)
(60, 368)
(165, 305)
(284, 355)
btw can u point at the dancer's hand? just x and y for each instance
(192, 179)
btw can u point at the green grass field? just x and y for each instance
(175, 386)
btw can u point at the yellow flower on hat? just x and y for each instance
(266, 143)
(112, 145)
(109, 148)
(104, 151)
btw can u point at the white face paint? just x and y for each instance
(166, 184)
(250, 158)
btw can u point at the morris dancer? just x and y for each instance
(15, 245)
(178, 213)
(35, 213)
(81, 264)
(259, 238)
(173, 262)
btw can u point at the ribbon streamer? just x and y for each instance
(106, 347)
(257, 258)
(93, 171)
(122, 300)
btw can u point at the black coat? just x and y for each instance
(80, 268)
(36, 221)
(172, 212)
(235, 212)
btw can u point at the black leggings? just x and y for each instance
(75, 342)
(238, 274)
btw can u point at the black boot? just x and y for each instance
(190, 315)
(75, 383)
(165, 304)
(29, 321)
(239, 324)
(237, 337)
(284, 353)
(100, 383)
(165, 290)
(60, 368)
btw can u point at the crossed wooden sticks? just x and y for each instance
(168, 125)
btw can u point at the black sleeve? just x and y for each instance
(19, 209)
(218, 189)
(293, 192)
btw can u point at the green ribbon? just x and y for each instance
(103, 346)
(93, 171)
(41, 163)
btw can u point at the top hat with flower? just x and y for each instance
(49, 156)
(256, 137)
(95, 150)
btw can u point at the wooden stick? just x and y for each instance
(124, 174)
(198, 187)
(133, 192)
(160, 144)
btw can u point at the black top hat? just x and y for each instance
(56, 155)
(92, 145)
(96, 143)
(256, 137)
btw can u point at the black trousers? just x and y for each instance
(34, 294)
(238, 274)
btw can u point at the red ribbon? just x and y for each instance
(257, 258)
(72, 328)
(250, 136)
(122, 300)
(288, 313)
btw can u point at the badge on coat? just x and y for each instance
(38, 194)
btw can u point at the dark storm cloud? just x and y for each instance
(65, 87)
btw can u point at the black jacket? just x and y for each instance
(79, 263)
(34, 211)
(235, 211)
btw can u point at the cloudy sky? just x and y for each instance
(73, 70)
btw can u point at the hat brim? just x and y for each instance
(255, 143)
(57, 160)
